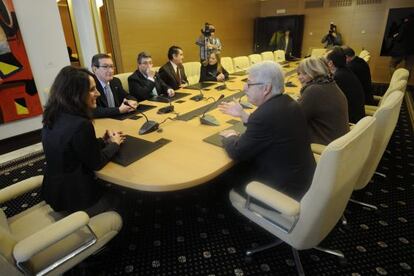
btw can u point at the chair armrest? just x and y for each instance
(370, 112)
(33, 244)
(275, 199)
(377, 98)
(20, 188)
(317, 148)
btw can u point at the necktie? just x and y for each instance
(109, 96)
(178, 76)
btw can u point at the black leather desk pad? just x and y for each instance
(141, 108)
(197, 112)
(164, 99)
(135, 148)
(198, 86)
(216, 139)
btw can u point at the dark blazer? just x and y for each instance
(278, 148)
(167, 74)
(282, 43)
(352, 88)
(326, 110)
(102, 109)
(210, 73)
(361, 69)
(73, 153)
(141, 88)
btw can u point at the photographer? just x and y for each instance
(332, 38)
(208, 42)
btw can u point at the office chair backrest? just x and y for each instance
(333, 182)
(318, 52)
(398, 85)
(279, 55)
(123, 77)
(387, 117)
(227, 63)
(365, 55)
(241, 63)
(400, 74)
(192, 71)
(268, 55)
(255, 58)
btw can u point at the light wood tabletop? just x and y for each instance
(186, 160)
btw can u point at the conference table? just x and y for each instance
(183, 160)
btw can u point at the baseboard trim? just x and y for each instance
(23, 140)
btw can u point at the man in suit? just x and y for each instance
(277, 149)
(145, 83)
(114, 100)
(172, 73)
(285, 44)
(348, 82)
(361, 69)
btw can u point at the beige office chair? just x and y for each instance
(279, 55)
(386, 121)
(192, 71)
(400, 74)
(268, 55)
(317, 52)
(255, 58)
(397, 85)
(365, 55)
(241, 63)
(227, 63)
(41, 241)
(303, 225)
(123, 77)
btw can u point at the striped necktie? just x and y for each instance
(109, 96)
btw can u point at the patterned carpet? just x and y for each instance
(197, 232)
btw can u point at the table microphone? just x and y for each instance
(149, 126)
(245, 104)
(198, 97)
(210, 120)
(167, 109)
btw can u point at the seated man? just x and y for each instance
(361, 69)
(172, 73)
(113, 99)
(145, 83)
(276, 141)
(348, 82)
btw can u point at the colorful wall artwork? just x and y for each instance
(18, 94)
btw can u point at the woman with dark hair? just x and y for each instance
(211, 69)
(71, 148)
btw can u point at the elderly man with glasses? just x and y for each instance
(275, 149)
(114, 100)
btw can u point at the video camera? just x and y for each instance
(207, 30)
(332, 28)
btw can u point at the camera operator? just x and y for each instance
(208, 42)
(332, 38)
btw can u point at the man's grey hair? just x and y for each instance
(269, 72)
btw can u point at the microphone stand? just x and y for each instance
(210, 120)
(149, 126)
(167, 109)
(245, 104)
(198, 97)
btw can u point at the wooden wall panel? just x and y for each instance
(361, 26)
(154, 26)
(67, 27)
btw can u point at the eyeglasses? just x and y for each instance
(106, 67)
(252, 84)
